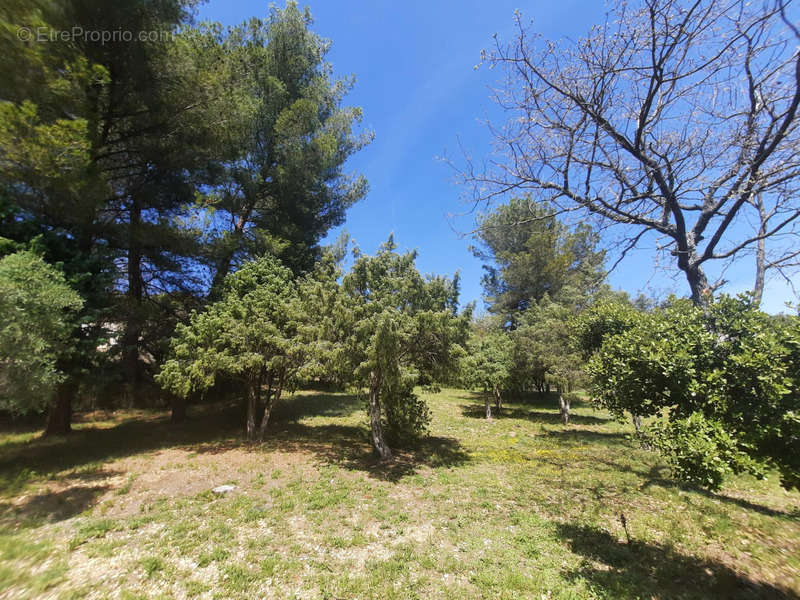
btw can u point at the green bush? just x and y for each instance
(38, 310)
(731, 364)
(602, 320)
(406, 416)
(699, 451)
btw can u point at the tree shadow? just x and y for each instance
(89, 445)
(54, 505)
(432, 451)
(644, 570)
(210, 427)
(655, 477)
(587, 435)
(215, 429)
(349, 446)
(552, 417)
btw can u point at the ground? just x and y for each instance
(516, 507)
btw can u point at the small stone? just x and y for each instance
(223, 489)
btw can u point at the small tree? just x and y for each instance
(527, 253)
(727, 375)
(396, 328)
(487, 364)
(544, 336)
(600, 321)
(254, 334)
(38, 309)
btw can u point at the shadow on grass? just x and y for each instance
(585, 436)
(644, 570)
(349, 446)
(432, 451)
(655, 477)
(552, 417)
(345, 445)
(88, 447)
(217, 429)
(54, 505)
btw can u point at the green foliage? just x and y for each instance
(251, 328)
(699, 451)
(529, 254)
(254, 334)
(116, 162)
(601, 320)
(543, 352)
(397, 328)
(38, 310)
(730, 363)
(406, 416)
(487, 364)
(280, 180)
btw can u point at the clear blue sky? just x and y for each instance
(416, 81)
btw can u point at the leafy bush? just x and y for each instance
(252, 335)
(602, 320)
(730, 363)
(406, 416)
(700, 451)
(38, 312)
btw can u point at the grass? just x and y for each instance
(516, 507)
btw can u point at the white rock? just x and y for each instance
(223, 489)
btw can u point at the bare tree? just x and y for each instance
(677, 119)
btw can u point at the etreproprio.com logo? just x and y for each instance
(101, 36)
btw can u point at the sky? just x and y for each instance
(426, 102)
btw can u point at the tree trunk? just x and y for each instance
(498, 401)
(223, 268)
(637, 423)
(252, 401)
(761, 255)
(376, 426)
(130, 340)
(698, 283)
(59, 413)
(488, 405)
(178, 415)
(269, 402)
(224, 262)
(262, 430)
(563, 402)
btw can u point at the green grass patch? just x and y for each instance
(516, 507)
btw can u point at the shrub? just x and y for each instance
(730, 364)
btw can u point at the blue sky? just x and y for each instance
(422, 96)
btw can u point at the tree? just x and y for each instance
(544, 340)
(154, 126)
(528, 253)
(603, 319)
(676, 119)
(50, 194)
(487, 363)
(38, 311)
(397, 328)
(726, 378)
(127, 160)
(253, 335)
(281, 184)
